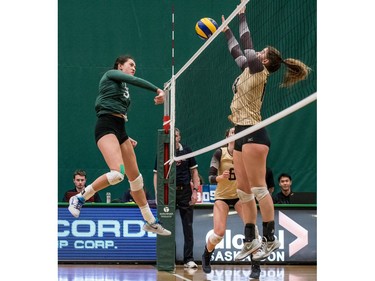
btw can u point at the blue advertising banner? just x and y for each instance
(104, 234)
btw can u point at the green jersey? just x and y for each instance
(114, 95)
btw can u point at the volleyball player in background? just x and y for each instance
(250, 152)
(113, 142)
(222, 174)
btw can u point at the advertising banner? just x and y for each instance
(115, 234)
(104, 234)
(295, 229)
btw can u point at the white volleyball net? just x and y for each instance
(201, 91)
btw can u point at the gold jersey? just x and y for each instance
(227, 188)
(248, 91)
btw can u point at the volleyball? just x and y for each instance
(205, 27)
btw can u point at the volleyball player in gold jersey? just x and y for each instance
(250, 152)
(222, 173)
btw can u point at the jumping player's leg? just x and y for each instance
(249, 209)
(132, 173)
(255, 165)
(254, 160)
(136, 186)
(110, 149)
(221, 210)
(255, 265)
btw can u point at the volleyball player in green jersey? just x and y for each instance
(113, 142)
(222, 174)
(250, 152)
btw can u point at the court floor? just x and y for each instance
(132, 272)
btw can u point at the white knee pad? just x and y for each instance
(244, 197)
(114, 177)
(215, 239)
(136, 184)
(259, 192)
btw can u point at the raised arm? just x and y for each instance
(120, 76)
(253, 62)
(234, 47)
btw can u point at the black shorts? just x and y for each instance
(229, 202)
(109, 124)
(260, 136)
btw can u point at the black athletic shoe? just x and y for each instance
(206, 261)
(255, 270)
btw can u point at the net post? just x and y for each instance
(166, 188)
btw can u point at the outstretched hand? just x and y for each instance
(223, 20)
(242, 11)
(159, 99)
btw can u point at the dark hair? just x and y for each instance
(274, 58)
(122, 60)
(296, 70)
(79, 172)
(226, 135)
(284, 175)
(227, 132)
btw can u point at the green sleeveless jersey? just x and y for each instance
(114, 95)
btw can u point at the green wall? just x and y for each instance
(92, 33)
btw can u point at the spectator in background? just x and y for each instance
(270, 181)
(79, 180)
(285, 183)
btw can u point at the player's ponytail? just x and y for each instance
(296, 70)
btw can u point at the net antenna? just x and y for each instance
(168, 124)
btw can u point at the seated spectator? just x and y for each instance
(79, 180)
(285, 183)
